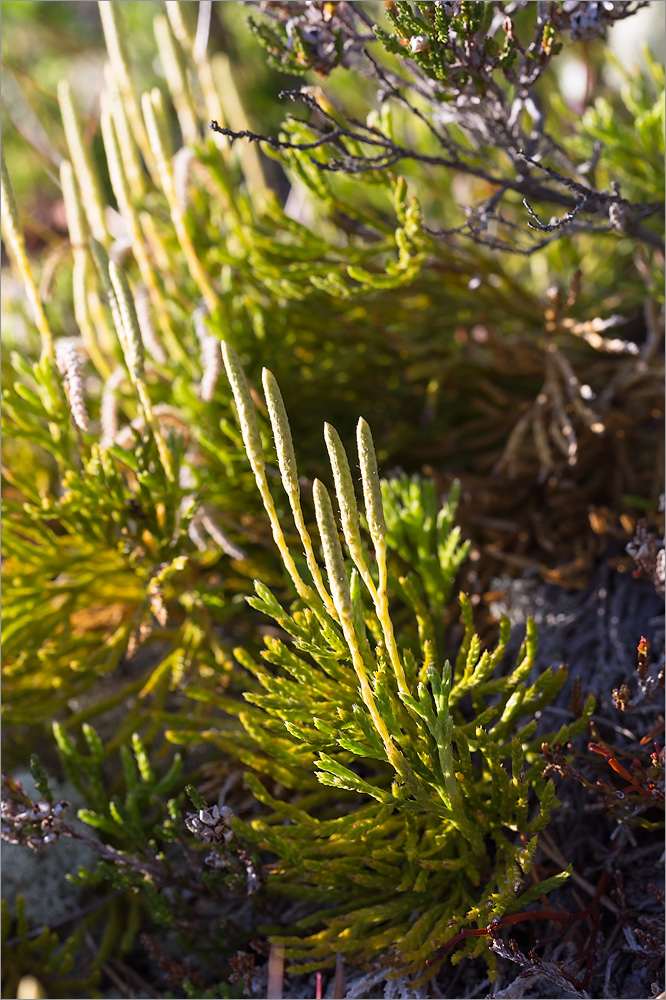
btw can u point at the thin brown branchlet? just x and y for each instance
(220, 537)
(509, 118)
(197, 536)
(649, 682)
(41, 824)
(69, 357)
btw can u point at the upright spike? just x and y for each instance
(372, 493)
(122, 191)
(335, 564)
(344, 489)
(77, 237)
(249, 425)
(176, 80)
(126, 142)
(281, 433)
(130, 336)
(16, 244)
(119, 62)
(68, 355)
(153, 113)
(289, 472)
(247, 415)
(337, 577)
(374, 512)
(84, 167)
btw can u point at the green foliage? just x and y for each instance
(222, 991)
(45, 956)
(138, 841)
(423, 535)
(446, 753)
(412, 792)
(90, 559)
(422, 32)
(632, 135)
(41, 779)
(132, 818)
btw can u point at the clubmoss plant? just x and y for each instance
(446, 752)
(473, 342)
(16, 242)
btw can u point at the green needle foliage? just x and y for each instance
(446, 752)
(51, 961)
(132, 825)
(409, 279)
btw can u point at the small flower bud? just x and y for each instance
(419, 43)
